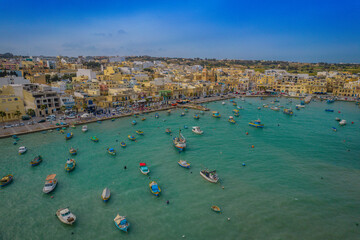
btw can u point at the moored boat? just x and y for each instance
(133, 122)
(342, 122)
(275, 108)
(144, 169)
(94, 139)
(70, 165)
(69, 136)
(154, 188)
(329, 110)
(215, 208)
(73, 151)
(140, 132)
(84, 128)
(223, 103)
(105, 196)
(184, 164)
(300, 106)
(131, 137)
(50, 183)
(288, 111)
(143, 119)
(179, 142)
(6, 180)
(256, 123)
(196, 116)
(210, 176)
(337, 119)
(156, 115)
(123, 144)
(72, 126)
(111, 151)
(231, 120)
(121, 223)
(22, 150)
(216, 114)
(197, 130)
(65, 216)
(37, 160)
(182, 114)
(168, 130)
(334, 129)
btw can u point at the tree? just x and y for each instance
(75, 108)
(47, 77)
(2, 115)
(43, 107)
(84, 106)
(30, 112)
(62, 109)
(18, 114)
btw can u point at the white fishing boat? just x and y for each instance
(223, 103)
(66, 216)
(210, 176)
(337, 119)
(50, 183)
(342, 122)
(84, 128)
(105, 196)
(197, 130)
(300, 106)
(22, 150)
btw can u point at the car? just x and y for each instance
(7, 126)
(41, 121)
(22, 124)
(70, 117)
(85, 115)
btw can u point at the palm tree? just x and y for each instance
(43, 107)
(30, 112)
(2, 115)
(18, 114)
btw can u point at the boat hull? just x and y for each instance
(208, 179)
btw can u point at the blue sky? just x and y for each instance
(306, 31)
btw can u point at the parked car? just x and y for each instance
(7, 126)
(41, 121)
(26, 117)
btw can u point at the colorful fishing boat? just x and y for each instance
(113, 119)
(133, 122)
(94, 139)
(180, 142)
(156, 115)
(144, 169)
(22, 150)
(70, 165)
(256, 123)
(234, 103)
(111, 151)
(210, 176)
(235, 111)
(265, 105)
(37, 160)
(50, 183)
(240, 107)
(84, 128)
(121, 223)
(154, 188)
(65, 216)
(73, 151)
(143, 119)
(68, 136)
(72, 126)
(196, 116)
(6, 180)
(334, 129)
(123, 144)
(231, 120)
(168, 130)
(288, 111)
(131, 137)
(329, 110)
(186, 110)
(105, 196)
(182, 114)
(215, 209)
(184, 164)
(140, 132)
(216, 114)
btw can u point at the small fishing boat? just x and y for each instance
(37, 160)
(265, 105)
(84, 128)
(143, 119)
(168, 130)
(169, 111)
(72, 126)
(154, 188)
(144, 169)
(73, 151)
(111, 151)
(197, 130)
(156, 115)
(297, 108)
(223, 103)
(70, 165)
(234, 104)
(342, 122)
(210, 176)
(215, 208)
(6, 180)
(330, 101)
(105, 196)
(196, 116)
(136, 115)
(185, 127)
(65, 216)
(186, 110)
(113, 119)
(140, 132)
(329, 110)
(131, 137)
(62, 131)
(216, 114)
(300, 106)
(63, 128)
(231, 120)
(237, 114)
(50, 183)
(275, 108)
(240, 107)
(99, 121)
(182, 114)
(184, 164)
(256, 123)
(94, 139)
(288, 111)
(22, 150)
(235, 111)
(68, 136)
(121, 223)
(334, 129)
(133, 122)
(337, 119)
(179, 142)
(123, 144)
(259, 108)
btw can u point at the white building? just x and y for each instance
(13, 80)
(86, 72)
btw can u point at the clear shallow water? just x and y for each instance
(300, 180)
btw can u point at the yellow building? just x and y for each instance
(10, 104)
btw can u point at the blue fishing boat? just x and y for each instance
(196, 116)
(256, 123)
(154, 188)
(329, 110)
(121, 223)
(73, 151)
(133, 122)
(330, 101)
(6, 180)
(334, 129)
(216, 114)
(70, 165)
(156, 115)
(184, 164)
(111, 151)
(231, 120)
(131, 137)
(68, 136)
(37, 160)
(182, 114)
(123, 144)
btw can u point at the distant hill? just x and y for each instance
(6, 55)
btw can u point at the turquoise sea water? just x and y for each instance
(301, 179)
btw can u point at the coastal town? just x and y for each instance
(40, 90)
